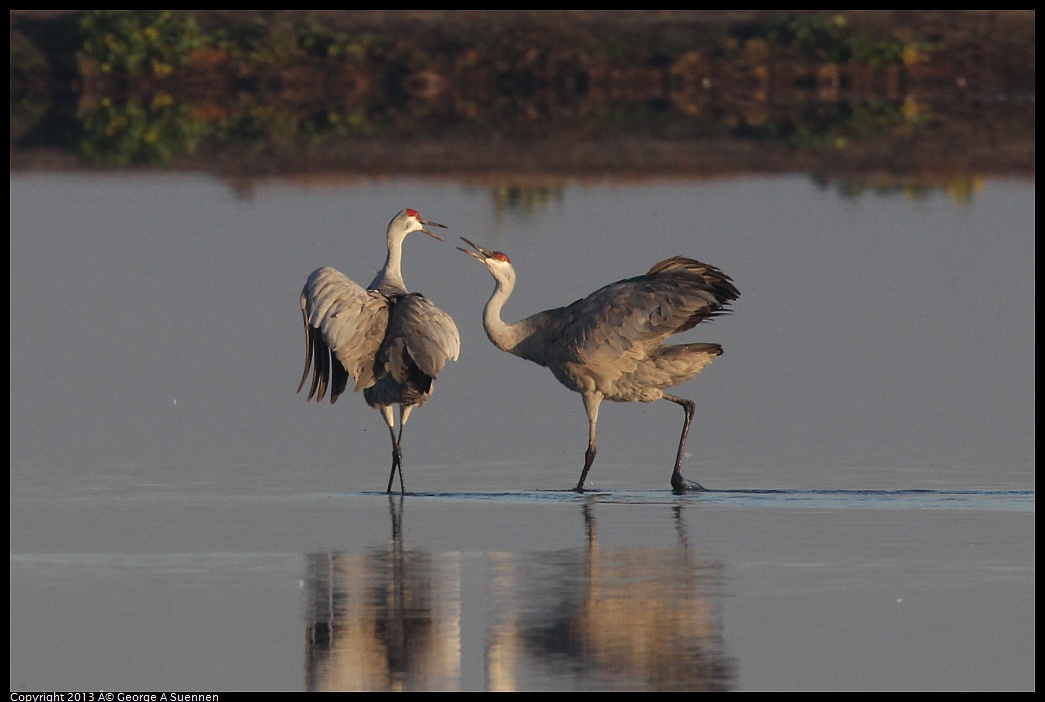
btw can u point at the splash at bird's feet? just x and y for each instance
(680, 485)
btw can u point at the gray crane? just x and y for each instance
(610, 344)
(391, 342)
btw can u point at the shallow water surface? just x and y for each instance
(527, 591)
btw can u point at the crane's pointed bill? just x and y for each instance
(430, 223)
(482, 254)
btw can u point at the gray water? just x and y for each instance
(181, 519)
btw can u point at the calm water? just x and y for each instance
(181, 519)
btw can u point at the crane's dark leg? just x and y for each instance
(397, 447)
(397, 463)
(589, 458)
(591, 405)
(679, 483)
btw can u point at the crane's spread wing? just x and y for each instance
(344, 327)
(620, 324)
(428, 336)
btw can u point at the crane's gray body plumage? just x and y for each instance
(611, 344)
(419, 340)
(612, 340)
(390, 342)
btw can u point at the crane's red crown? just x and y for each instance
(501, 256)
(410, 212)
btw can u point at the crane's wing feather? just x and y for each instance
(620, 324)
(428, 334)
(344, 325)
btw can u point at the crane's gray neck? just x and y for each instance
(391, 276)
(513, 337)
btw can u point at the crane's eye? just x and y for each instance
(501, 257)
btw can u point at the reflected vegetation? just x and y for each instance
(525, 199)
(960, 189)
(923, 100)
(635, 618)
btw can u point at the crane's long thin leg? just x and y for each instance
(397, 451)
(591, 405)
(679, 483)
(397, 464)
(404, 414)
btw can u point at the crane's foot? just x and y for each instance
(680, 485)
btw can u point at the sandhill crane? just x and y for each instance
(610, 344)
(391, 342)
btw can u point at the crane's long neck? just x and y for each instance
(515, 338)
(391, 275)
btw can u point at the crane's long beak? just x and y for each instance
(430, 223)
(482, 254)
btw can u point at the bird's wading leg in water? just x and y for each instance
(592, 400)
(678, 482)
(397, 442)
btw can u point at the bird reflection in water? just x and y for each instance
(617, 619)
(385, 620)
(587, 618)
